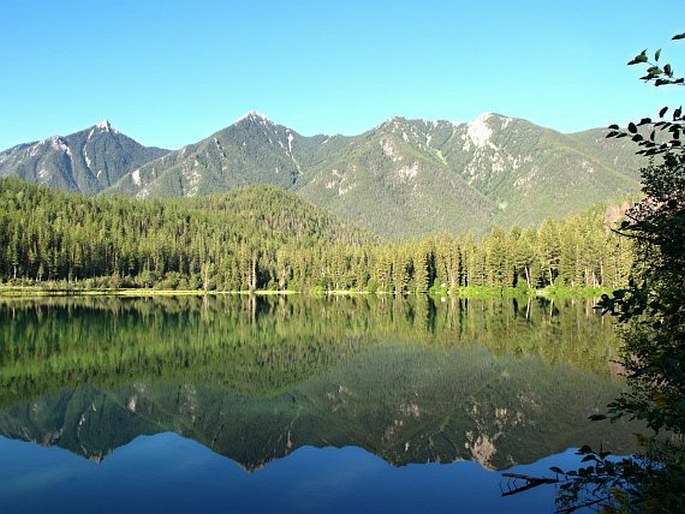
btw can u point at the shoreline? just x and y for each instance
(549, 292)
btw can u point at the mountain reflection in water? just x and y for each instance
(410, 380)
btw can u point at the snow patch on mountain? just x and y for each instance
(478, 130)
(220, 149)
(408, 172)
(57, 143)
(389, 150)
(192, 176)
(104, 125)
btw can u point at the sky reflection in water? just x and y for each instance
(179, 398)
(167, 473)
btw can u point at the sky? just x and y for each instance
(170, 73)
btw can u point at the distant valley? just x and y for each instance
(401, 179)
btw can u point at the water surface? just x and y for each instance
(295, 404)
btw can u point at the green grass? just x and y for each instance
(550, 292)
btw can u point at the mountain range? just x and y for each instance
(88, 161)
(403, 178)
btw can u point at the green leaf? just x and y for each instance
(657, 54)
(555, 469)
(632, 128)
(663, 111)
(678, 36)
(597, 417)
(639, 58)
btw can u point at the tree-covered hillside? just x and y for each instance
(266, 238)
(410, 178)
(230, 241)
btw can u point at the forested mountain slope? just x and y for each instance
(404, 178)
(412, 177)
(263, 237)
(49, 234)
(407, 178)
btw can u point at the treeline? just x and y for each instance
(265, 238)
(262, 345)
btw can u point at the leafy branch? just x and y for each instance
(651, 141)
(657, 74)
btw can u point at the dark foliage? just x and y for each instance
(652, 315)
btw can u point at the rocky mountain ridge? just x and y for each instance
(403, 178)
(88, 161)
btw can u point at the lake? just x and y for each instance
(297, 404)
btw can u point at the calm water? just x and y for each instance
(237, 404)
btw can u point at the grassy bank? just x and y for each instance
(551, 292)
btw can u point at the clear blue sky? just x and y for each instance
(170, 73)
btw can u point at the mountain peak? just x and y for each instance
(488, 116)
(106, 126)
(256, 117)
(392, 124)
(480, 129)
(394, 121)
